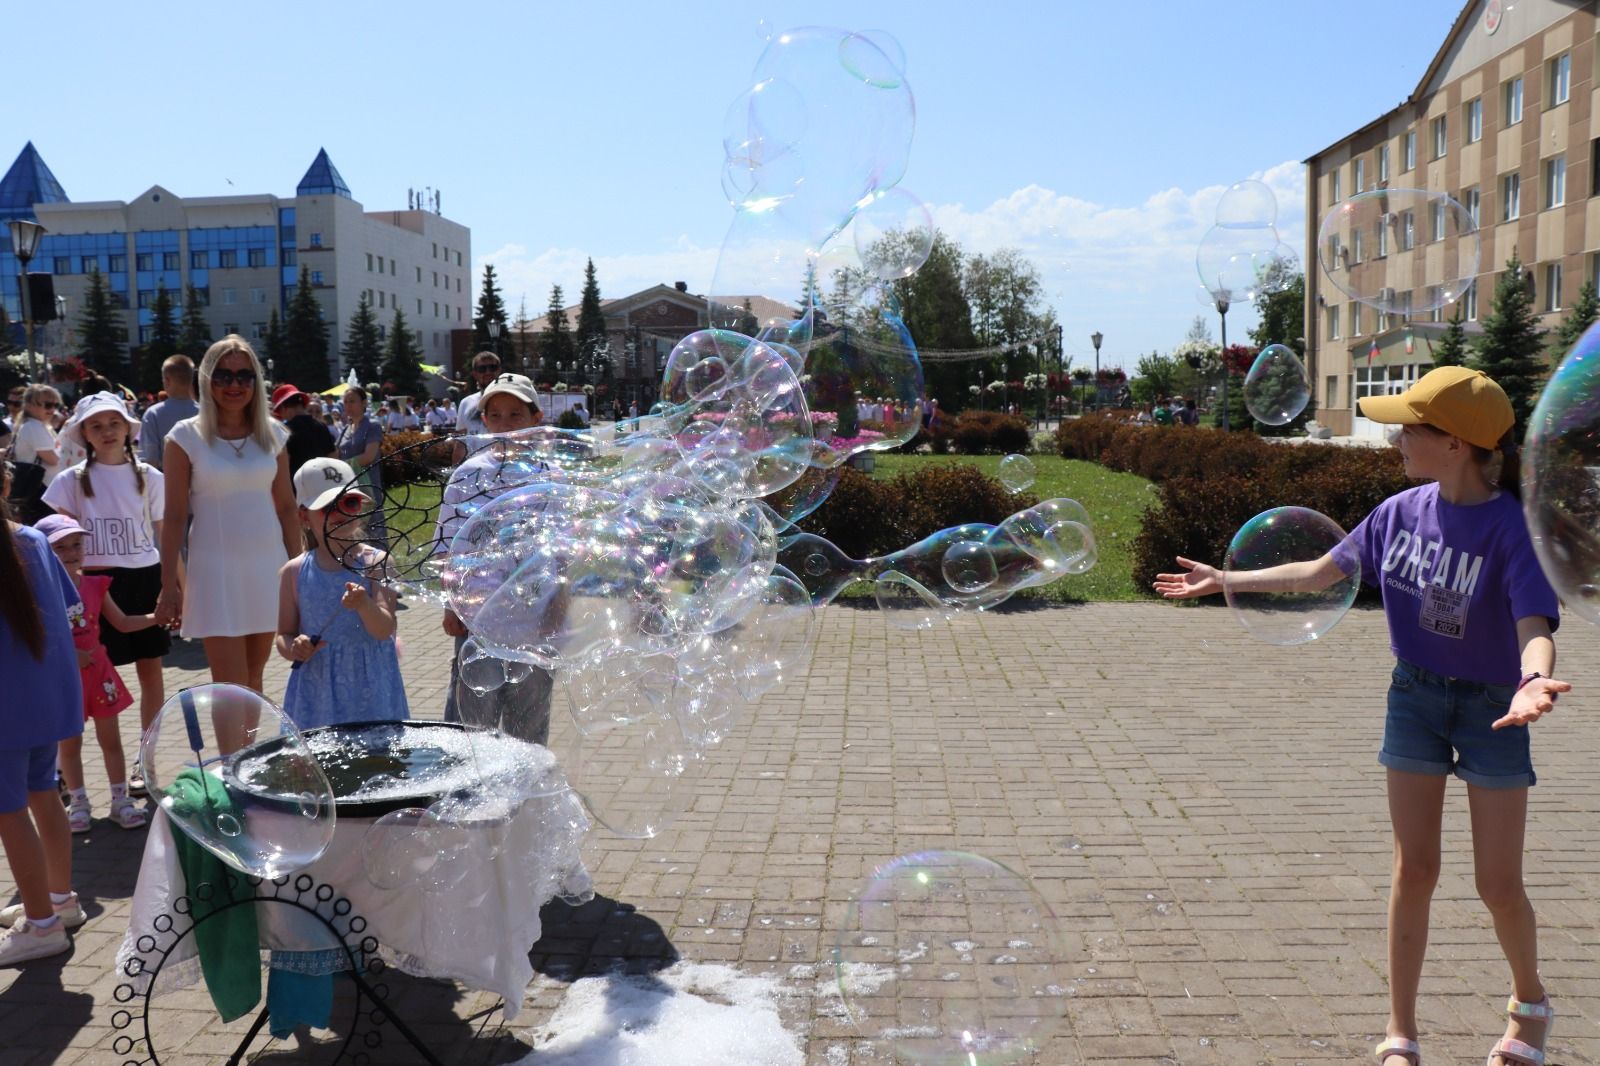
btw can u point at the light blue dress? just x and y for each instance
(355, 678)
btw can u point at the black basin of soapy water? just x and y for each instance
(351, 755)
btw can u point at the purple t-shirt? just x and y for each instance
(1455, 579)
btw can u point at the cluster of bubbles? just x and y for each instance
(951, 957)
(1401, 251)
(1241, 256)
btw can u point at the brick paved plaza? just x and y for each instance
(1203, 813)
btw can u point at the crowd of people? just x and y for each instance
(224, 511)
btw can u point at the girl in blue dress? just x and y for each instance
(335, 626)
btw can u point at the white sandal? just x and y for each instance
(128, 814)
(1511, 1050)
(1399, 1045)
(80, 817)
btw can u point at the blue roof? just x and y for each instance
(28, 182)
(323, 178)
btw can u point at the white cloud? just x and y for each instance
(1126, 270)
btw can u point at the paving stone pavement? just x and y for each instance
(1204, 814)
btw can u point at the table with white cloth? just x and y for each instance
(478, 929)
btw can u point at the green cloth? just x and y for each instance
(228, 943)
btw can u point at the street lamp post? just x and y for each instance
(1005, 387)
(1222, 309)
(24, 243)
(493, 326)
(1095, 338)
(980, 388)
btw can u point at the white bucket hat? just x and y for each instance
(93, 405)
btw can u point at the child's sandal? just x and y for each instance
(1510, 1050)
(79, 817)
(1399, 1045)
(128, 814)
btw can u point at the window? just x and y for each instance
(199, 260)
(419, 279)
(1408, 231)
(202, 295)
(1333, 323)
(1472, 199)
(88, 264)
(1330, 392)
(144, 261)
(170, 261)
(382, 298)
(316, 277)
(436, 250)
(1361, 176)
(1440, 142)
(258, 331)
(62, 265)
(290, 257)
(118, 264)
(436, 280)
(1469, 303)
(229, 297)
(1552, 284)
(419, 311)
(147, 298)
(1357, 246)
(316, 240)
(1437, 314)
(1474, 120)
(146, 333)
(228, 258)
(1383, 236)
(1510, 197)
(392, 268)
(1555, 181)
(1511, 101)
(1560, 69)
(1333, 187)
(1355, 319)
(1409, 162)
(1437, 223)
(369, 262)
(230, 328)
(458, 259)
(436, 309)
(1383, 163)
(258, 296)
(258, 257)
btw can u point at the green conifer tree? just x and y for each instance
(1583, 313)
(363, 346)
(402, 363)
(1511, 349)
(101, 330)
(1452, 347)
(591, 320)
(491, 308)
(556, 347)
(194, 335)
(305, 339)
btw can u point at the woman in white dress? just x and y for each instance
(227, 468)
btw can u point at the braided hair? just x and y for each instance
(127, 449)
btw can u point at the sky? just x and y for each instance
(1095, 136)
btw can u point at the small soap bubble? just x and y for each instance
(1287, 611)
(907, 603)
(228, 825)
(1016, 473)
(969, 566)
(893, 234)
(949, 957)
(1276, 389)
(396, 849)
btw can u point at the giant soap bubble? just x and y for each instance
(1276, 389)
(951, 958)
(1561, 478)
(1402, 251)
(1287, 607)
(234, 775)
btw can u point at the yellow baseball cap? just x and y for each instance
(1464, 403)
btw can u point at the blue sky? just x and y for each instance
(1098, 135)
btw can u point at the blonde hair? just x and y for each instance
(33, 394)
(256, 416)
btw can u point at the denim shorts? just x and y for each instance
(1440, 725)
(25, 770)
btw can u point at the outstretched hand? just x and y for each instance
(1533, 701)
(1200, 579)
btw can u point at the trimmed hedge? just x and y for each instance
(866, 516)
(396, 472)
(1210, 483)
(991, 433)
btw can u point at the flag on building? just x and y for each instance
(1372, 352)
(1411, 345)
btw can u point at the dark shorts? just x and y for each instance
(25, 770)
(135, 590)
(1441, 725)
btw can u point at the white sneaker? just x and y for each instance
(70, 913)
(27, 941)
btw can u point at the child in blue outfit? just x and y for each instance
(336, 626)
(43, 706)
(1470, 621)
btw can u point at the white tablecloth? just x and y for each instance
(477, 931)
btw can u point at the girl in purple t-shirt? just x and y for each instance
(1470, 619)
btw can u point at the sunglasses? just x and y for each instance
(486, 368)
(48, 405)
(351, 505)
(226, 378)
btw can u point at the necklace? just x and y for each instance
(238, 449)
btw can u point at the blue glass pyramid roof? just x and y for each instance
(28, 182)
(323, 178)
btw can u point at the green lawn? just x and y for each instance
(1114, 501)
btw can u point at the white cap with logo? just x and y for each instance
(321, 481)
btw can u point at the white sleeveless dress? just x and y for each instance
(235, 541)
